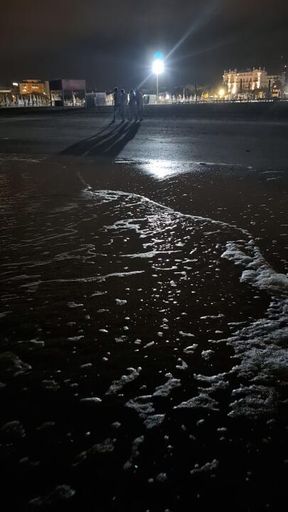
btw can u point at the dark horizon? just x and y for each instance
(114, 44)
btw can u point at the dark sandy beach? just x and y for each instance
(143, 315)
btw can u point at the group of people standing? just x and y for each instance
(127, 106)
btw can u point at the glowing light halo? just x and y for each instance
(158, 66)
(205, 18)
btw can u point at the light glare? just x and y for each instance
(158, 66)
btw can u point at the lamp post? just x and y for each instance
(157, 69)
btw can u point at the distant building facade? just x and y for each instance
(39, 93)
(253, 83)
(27, 93)
(276, 85)
(32, 87)
(67, 93)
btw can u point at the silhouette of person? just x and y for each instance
(132, 106)
(116, 103)
(139, 104)
(123, 104)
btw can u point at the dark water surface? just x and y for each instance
(143, 319)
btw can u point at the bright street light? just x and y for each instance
(157, 69)
(158, 66)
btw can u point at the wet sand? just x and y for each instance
(144, 336)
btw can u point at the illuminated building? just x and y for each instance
(30, 93)
(244, 82)
(252, 84)
(276, 85)
(40, 93)
(33, 87)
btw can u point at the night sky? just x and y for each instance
(112, 42)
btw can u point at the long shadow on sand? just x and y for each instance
(107, 143)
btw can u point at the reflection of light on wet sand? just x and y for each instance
(138, 310)
(160, 168)
(164, 168)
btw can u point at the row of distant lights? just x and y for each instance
(158, 67)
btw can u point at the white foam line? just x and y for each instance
(94, 279)
(262, 360)
(149, 254)
(166, 208)
(13, 158)
(256, 270)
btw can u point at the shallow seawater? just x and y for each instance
(143, 359)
